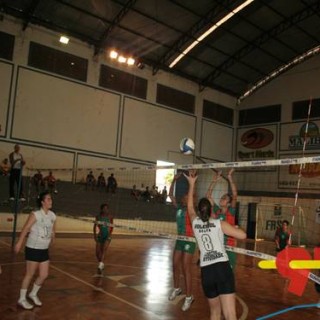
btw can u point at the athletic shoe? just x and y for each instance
(55, 191)
(175, 292)
(101, 266)
(11, 198)
(187, 303)
(35, 300)
(25, 304)
(22, 199)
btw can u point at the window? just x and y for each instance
(217, 112)
(267, 114)
(56, 61)
(175, 99)
(123, 82)
(7, 45)
(300, 109)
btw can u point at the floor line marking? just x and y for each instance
(105, 292)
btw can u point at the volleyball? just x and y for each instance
(186, 146)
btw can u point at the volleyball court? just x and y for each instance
(269, 192)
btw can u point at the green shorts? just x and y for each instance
(185, 246)
(232, 259)
(103, 239)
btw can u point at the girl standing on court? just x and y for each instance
(41, 228)
(183, 251)
(102, 233)
(216, 274)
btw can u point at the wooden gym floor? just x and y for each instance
(136, 283)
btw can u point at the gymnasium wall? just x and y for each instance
(45, 112)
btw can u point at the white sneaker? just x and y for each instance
(187, 303)
(25, 304)
(101, 266)
(175, 292)
(11, 198)
(22, 199)
(35, 300)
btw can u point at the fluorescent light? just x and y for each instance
(64, 40)
(122, 59)
(209, 31)
(113, 54)
(130, 61)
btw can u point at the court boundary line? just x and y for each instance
(106, 292)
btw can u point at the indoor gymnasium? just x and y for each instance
(159, 159)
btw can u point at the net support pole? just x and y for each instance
(15, 209)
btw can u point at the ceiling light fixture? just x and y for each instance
(122, 59)
(130, 61)
(209, 31)
(113, 54)
(64, 39)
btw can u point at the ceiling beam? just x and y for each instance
(261, 39)
(121, 14)
(190, 34)
(241, 16)
(28, 14)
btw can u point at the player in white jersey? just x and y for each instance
(41, 228)
(216, 274)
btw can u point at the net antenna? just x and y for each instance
(302, 165)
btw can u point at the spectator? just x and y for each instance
(90, 180)
(135, 193)
(112, 184)
(5, 167)
(146, 195)
(154, 194)
(38, 180)
(101, 183)
(50, 183)
(164, 194)
(17, 163)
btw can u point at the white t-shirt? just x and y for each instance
(41, 231)
(17, 164)
(210, 239)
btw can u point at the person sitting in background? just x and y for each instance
(112, 184)
(5, 167)
(90, 180)
(101, 183)
(146, 196)
(164, 194)
(135, 192)
(38, 180)
(154, 193)
(50, 183)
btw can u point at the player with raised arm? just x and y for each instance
(216, 274)
(184, 250)
(226, 210)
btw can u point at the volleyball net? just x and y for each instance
(269, 192)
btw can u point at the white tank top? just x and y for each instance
(41, 231)
(210, 239)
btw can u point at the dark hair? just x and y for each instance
(41, 197)
(102, 206)
(286, 222)
(204, 208)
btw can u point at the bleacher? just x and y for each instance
(74, 200)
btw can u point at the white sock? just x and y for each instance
(23, 293)
(35, 290)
